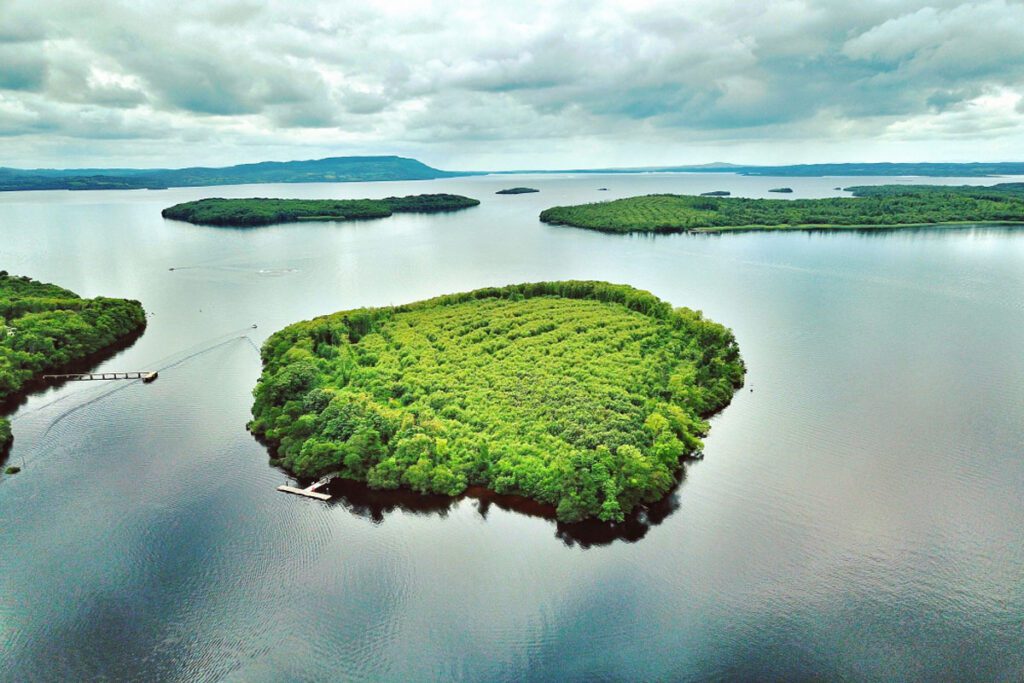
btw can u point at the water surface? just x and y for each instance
(857, 514)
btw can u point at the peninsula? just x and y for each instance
(580, 395)
(43, 327)
(872, 206)
(261, 211)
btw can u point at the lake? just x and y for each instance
(857, 515)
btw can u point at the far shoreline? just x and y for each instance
(826, 227)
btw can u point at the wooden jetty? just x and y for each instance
(94, 376)
(310, 491)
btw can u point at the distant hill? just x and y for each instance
(363, 169)
(967, 170)
(330, 170)
(973, 170)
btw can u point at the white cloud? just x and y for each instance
(453, 81)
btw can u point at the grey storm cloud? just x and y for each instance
(355, 75)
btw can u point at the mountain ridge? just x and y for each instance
(391, 167)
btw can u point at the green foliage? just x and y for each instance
(43, 326)
(517, 190)
(5, 436)
(581, 395)
(873, 206)
(258, 211)
(13, 469)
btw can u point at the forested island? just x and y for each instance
(261, 211)
(873, 206)
(580, 395)
(43, 327)
(716, 193)
(782, 190)
(517, 190)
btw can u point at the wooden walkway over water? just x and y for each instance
(93, 376)
(311, 490)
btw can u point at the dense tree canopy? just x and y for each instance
(873, 206)
(581, 395)
(43, 326)
(261, 211)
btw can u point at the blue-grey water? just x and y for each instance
(858, 514)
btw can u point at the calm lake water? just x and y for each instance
(858, 513)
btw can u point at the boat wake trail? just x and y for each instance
(161, 365)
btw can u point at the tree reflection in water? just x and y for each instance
(376, 505)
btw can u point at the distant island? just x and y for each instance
(43, 327)
(583, 396)
(935, 170)
(380, 168)
(873, 206)
(784, 190)
(330, 170)
(260, 211)
(517, 190)
(716, 193)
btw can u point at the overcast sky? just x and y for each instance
(510, 84)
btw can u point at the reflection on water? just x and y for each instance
(856, 516)
(375, 505)
(40, 387)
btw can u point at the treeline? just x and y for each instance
(997, 192)
(517, 190)
(881, 205)
(43, 327)
(581, 395)
(261, 211)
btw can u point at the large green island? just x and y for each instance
(872, 206)
(261, 211)
(43, 327)
(580, 395)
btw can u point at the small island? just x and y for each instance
(583, 396)
(716, 193)
(262, 211)
(517, 190)
(872, 206)
(43, 327)
(782, 190)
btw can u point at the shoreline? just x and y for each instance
(807, 227)
(825, 227)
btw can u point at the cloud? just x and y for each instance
(21, 71)
(451, 79)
